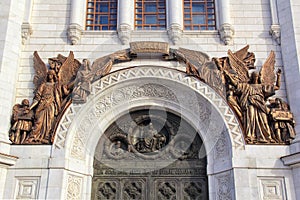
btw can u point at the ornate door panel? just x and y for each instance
(149, 156)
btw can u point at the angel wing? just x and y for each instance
(267, 75)
(242, 53)
(101, 67)
(239, 67)
(68, 70)
(40, 70)
(247, 57)
(195, 58)
(61, 58)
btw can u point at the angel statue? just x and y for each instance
(83, 80)
(89, 74)
(252, 94)
(51, 96)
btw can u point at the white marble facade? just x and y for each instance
(64, 170)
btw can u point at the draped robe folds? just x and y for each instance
(252, 101)
(49, 97)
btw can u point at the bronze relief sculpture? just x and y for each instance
(66, 80)
(51, 97)
(251, 97)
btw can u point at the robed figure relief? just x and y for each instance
(22, 120)
(283, 122)
(83, 80)
(263, 120)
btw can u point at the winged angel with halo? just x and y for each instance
(251, 94)
(52, 94)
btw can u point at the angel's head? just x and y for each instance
(254, 78)
(86, 64)
(51, 76)
(54, 63)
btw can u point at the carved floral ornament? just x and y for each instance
(264, 120)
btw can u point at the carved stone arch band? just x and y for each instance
(74, 128)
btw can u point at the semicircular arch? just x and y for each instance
(141, 86)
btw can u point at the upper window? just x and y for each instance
(199, 15)
(101, 15)
(150, 14)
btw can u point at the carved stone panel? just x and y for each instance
(272, 188)
(224, 186)
(74, 187)
(27, 187)
(134, 189)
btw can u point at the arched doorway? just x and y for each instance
(138, 88)
(150, 154)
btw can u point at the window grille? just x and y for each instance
(150, 14)
(199, 15)
(101, 15)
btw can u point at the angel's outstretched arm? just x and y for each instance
(34, 103)
(277, 85)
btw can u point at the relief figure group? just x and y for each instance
(65, 80)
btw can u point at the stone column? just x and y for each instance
(76, 20)
(226, 29)
(175, 20)
(125, 20)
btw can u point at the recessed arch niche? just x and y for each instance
(150, 153)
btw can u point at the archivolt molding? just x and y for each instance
(83, 122)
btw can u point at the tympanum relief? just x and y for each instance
(264, 120)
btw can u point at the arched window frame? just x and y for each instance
(174, 20)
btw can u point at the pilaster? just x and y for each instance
(275, 30)
(175, 20)
(26, 25)
(226, 30)
(125, 20)
(78, 8)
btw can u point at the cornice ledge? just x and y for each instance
(291, 160)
